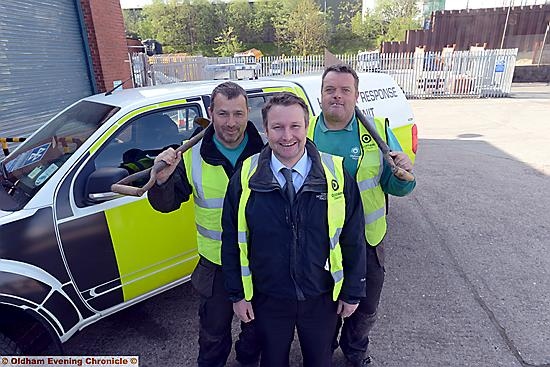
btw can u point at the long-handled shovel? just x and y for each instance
(122, 186)
(397, 171)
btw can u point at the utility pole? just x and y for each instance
(506, 24)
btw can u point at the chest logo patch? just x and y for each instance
(368, 143)
(366, 138)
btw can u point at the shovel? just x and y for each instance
(397, 171)
(123, 187)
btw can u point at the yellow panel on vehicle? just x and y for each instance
(404, 136)
(152, 248)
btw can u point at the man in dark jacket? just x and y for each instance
(205, 172)
(292, 256)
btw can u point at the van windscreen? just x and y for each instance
(38, 158)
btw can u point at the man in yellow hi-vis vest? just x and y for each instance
(292, 256)
(337, 131)
(204, 173)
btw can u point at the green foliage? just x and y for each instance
(368, 29)
(396, 17)
(275, 27)
(304, 28)
(241, 18)
(344, 14)
(228, 43)
(265, 16)
(388, 22)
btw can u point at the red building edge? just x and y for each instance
(105, 40)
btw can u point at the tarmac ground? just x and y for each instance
(467, 259)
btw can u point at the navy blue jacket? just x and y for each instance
(288, 249)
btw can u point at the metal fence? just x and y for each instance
(475, 73)
(483, 73)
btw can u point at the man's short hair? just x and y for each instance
(284, 99)
(230, 90)
(341, 68)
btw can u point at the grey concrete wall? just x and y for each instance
(531, 73)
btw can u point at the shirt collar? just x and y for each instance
(324, 128)
(300, 166)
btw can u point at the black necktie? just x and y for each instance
(289, 187)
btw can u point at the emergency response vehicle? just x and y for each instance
(72, 251)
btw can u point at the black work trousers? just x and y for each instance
(314, 319)
(215, 317)
(354, 338)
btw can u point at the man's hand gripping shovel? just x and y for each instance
(122, 186)
(397, 171)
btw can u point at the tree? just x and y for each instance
(164, 19)
(396, 17)
(305, 28)
(228, 43)
(369, 29)
(342, 38)
(136, 24)
(182, 25)
(240, 16)
(344, 13)
(204, 22)
(266, 13)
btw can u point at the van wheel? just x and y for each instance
(8, 347)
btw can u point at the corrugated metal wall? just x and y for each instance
(465, 28)
(43, 64)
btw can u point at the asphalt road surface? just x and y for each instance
(468, 258)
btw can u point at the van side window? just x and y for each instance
(255, 115)
(133, 148)
(137, 144)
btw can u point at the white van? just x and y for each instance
(72, 251)
(379, 95)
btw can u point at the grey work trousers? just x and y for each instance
(215, 317)
(354, 338)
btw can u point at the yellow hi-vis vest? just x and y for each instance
(139, 165)
(368, 176)
(336, 213)
(209, 185)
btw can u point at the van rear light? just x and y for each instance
(414, 138)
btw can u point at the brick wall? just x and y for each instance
(107, 40)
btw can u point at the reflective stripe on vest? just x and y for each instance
(368, 177)
(140, 165)
(336, 212)
(209, 185)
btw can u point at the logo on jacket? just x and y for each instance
(335, 185)
(322, 196)
(368, 143)
(355, 153)
(366, 138)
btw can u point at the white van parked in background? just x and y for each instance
(368, 61)
(379, 95)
